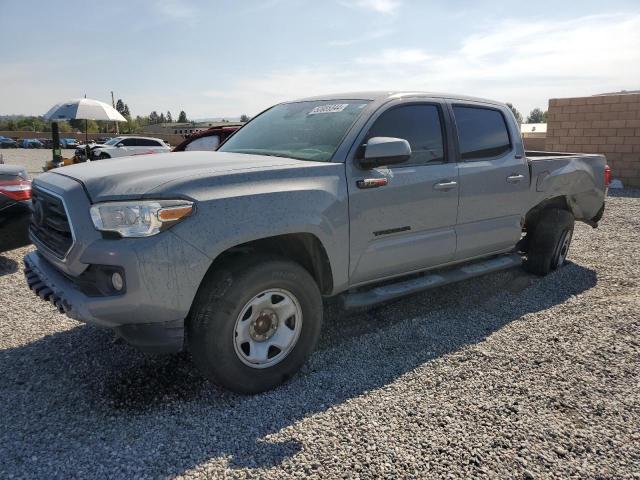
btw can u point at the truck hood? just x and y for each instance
(133, 177)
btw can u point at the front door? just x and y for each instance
(402, 217)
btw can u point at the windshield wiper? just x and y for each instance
(263, 152)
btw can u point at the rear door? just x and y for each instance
(407, 223)
(494, 180)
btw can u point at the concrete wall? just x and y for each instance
(607, 124)
(172, 139)
(534, 142)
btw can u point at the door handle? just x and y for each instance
(515, 178)
(446, 185)
(372, 182)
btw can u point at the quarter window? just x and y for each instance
(482, 133)
(419, 125)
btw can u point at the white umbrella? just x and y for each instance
(84, 109)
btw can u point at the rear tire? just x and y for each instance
(104, 156)
(246, 291)
(549, 241)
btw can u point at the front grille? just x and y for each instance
(49, 222)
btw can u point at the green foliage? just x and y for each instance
(537, 116)
(182, 118)
(169, 118)
(516, 113)
(244, 118)
(120, 106)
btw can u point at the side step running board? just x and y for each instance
(384, 293)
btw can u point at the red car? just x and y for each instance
(207, 140)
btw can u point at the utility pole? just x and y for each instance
(113, 104)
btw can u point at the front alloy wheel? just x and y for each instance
(254, 322)
(267, 328)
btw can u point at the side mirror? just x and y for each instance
(381, 151)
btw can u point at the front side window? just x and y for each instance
(482, 133)
(419, 125)
(303, 130)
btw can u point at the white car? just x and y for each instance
(124, 146)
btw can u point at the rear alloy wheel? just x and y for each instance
(549, 241)
(254, 322)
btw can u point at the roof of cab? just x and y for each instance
(384, 95)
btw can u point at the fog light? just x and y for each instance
(117, 281)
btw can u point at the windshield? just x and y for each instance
(303, 130)
(113, 141)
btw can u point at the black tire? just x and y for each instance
(104, 156)
(223, 294)
(549, 240)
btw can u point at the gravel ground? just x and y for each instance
(31, 158)
(508, 376)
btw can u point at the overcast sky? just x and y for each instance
(227, 57)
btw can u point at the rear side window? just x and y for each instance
(130, 142)
(419, 125)
(482, 133)
(144, 142)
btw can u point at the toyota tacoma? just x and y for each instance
(370, 196)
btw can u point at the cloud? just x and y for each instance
(523, 62)
(385, 32)
(176, 9)
(379, 6)
(391, 56)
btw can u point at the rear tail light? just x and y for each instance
(607, 175)
(16, 190)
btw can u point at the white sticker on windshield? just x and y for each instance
(337, 107)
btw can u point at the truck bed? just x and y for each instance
(576, 177)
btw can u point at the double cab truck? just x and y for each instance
(369, 196)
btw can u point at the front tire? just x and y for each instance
(254, 322)
(549, 241)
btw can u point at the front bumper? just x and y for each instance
(162, 276)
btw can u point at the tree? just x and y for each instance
(182, 118)
(120, 106)
(162, 119)
(516, 113)
(169, 117)
(244, 118)
(153, 117)
(125, 112)
(537, 116)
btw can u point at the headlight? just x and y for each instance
(141, 218)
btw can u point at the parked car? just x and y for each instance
(124, 146)
(46, 142)
(30, 143)
(68, 143)
(369, 196)
(6, 142)
(207, 140)
(15, 203)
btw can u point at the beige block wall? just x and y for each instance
(606, 124)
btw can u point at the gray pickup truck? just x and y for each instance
(370, 196)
